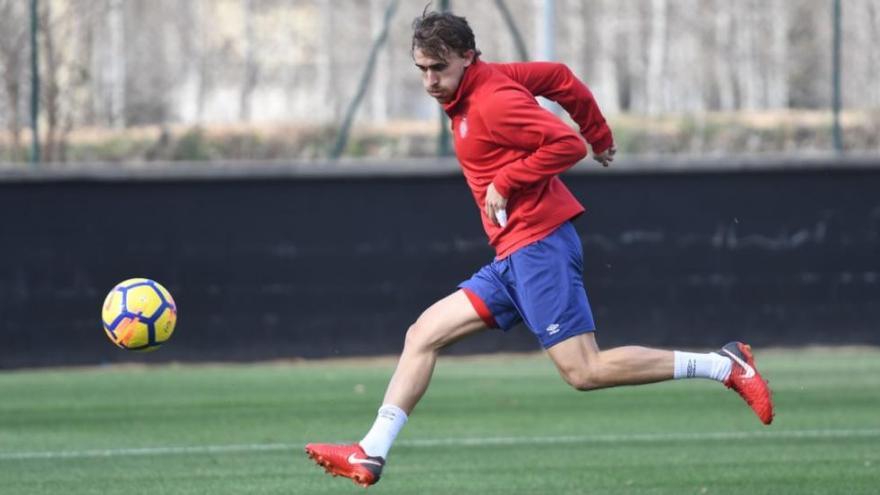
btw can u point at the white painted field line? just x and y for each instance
(454, 442)
(642, 437)
(145, 451)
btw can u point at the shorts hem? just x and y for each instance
(548, 343)
(481, 307)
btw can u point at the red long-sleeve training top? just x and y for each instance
(503, 136)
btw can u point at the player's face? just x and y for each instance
(441, 77)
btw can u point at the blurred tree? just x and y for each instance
(251, 68)
(50, 87)
(64, 75)
(116, 62)
(379, 84)
(656, 81)
(13, 52)
(122, 63)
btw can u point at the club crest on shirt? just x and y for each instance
(463, 127)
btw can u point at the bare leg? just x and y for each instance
(448, 320)
(445, 322)
(585, 367)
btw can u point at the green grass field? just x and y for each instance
(489, 425)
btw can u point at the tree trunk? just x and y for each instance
(747, 73)
(325, 84)
(12, 52)
(577, 25)
(606, 73)
(50, 88)
(13, 93)
(204, 82)
(873, 70)
(724, 58)
(117, 62)
(777, 91)
(12, 83)
(379, 84)
(656, 82)
(251, 69)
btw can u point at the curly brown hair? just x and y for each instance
(438, 33)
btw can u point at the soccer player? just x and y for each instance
(511, 151)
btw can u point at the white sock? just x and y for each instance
(389, 422)
(694, 365)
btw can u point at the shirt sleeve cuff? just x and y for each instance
(503, 185)
(600, 142)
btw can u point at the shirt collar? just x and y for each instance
(473, 74)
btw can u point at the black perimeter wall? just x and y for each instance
(308, 267)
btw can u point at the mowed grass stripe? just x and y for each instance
(460, 442)
(488, 426)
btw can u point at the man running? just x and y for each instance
(511, 151)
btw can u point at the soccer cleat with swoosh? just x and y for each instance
(748, 383)
(347, 460)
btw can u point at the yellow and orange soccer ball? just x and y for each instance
(139, 314)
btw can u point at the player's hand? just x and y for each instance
(605, 157)
(495, 202)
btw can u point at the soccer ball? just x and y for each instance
(139, 315)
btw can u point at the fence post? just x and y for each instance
(35, 87)
(444, 147)
(835, 78)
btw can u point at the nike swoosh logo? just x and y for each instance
(352, 459)
(749, 371)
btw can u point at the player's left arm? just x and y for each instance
(556, 82)
(514, 120)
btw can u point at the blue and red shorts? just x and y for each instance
(540, 284)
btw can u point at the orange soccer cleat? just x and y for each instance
(748, 383)
(347, 460)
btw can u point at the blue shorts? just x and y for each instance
(540, 284)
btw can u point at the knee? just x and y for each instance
(421, 337)
(583, 378)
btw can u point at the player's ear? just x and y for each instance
(469, 57)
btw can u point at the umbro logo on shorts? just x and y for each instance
(553, 329)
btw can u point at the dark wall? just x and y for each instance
(288, 267)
